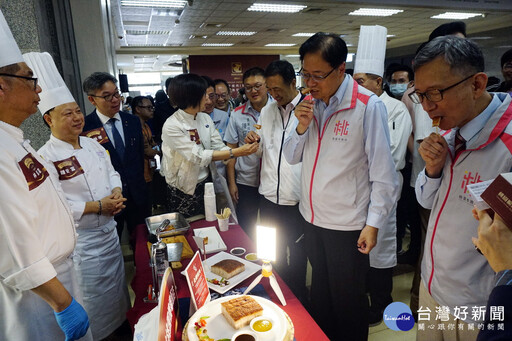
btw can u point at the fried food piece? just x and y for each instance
(240, 311)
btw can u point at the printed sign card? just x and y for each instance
(197, 283)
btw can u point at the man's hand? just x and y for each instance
(494, 240)
(434, 151)
(112, 206)
(73, 321)
(251, 137)
(304, 113)
(367, 239)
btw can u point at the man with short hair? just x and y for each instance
(450, 84)
(38, 284)
(348, 184)
(219, 116)
(223, 95)
(121, 134)
(279, 181)
(243, 175)
(401, 79)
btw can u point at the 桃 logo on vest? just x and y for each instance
(468, 179)
(341, 130)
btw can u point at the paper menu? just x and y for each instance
(215, 242)
(476, 191)
(197, 283)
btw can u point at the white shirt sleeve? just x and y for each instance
(400, 130)
(426, 189)
(381, 167)
(294, 145)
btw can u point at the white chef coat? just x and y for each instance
(37, 236)
(98, 261)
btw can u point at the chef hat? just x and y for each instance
(10, 53)
(371, 50)
(55, 92)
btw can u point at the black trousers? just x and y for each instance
(247, 209)
(338, 297)
(290, 255)
(380, 285)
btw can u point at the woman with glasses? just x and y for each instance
(190, 143)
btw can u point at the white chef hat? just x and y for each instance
(10, 53)
(55, 92)
(371, 50)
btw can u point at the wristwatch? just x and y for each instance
(231, 155)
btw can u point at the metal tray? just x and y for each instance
(177, 220)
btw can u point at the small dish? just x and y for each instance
(262, 326)
(251, 257)
(244, 335)
(237, 251)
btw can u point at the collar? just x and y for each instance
(473, 127)
(62, 144)
(290, 106)
(15, 132)
(104, 119)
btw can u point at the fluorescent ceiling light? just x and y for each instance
(235, 33)
(456, 15)
(155, 3)
(303, 34)
(376, 12)
(390, 36)
(292, 55)
(280, 45)
(276, 8)
(216, 45)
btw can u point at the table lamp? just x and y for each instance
(266, 250)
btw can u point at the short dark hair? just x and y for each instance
(209, 81)
(506, 57)
(96, 81)
(187, 90)
(222, 81)
(461, 54)
(137, 101)
(331, 46)
(402, 67)
(254, 71)
(448, 29)
(282, 68)
(47, 113)
(167, 82)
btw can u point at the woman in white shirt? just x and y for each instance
(190, 143)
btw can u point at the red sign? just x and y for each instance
(197, 283)
(168, 323)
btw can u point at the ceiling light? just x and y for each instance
(276, 8)
(302, 34)
(480, 38)
(292, 55)
(456, 15)
(235, 33)
(154, 3)
(350, 57)
(390, 36)
(280, 45)
(376, 12)
(216, 45)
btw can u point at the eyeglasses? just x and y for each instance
(256, 87)
(224, 96)
(434, 95)
(110, 97)
(149, 107)
(316, 78)
(22, 77)
(211, 96)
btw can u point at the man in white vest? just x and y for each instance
(348, 184)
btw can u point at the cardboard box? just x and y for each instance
(499, 197)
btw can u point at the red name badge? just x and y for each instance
(68, 168)
(33, 170)
(98, 134)
(194, 136)
(168, 323)
(197, 283)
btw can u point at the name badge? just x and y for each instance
(68, 168)
(34, 172)
(194, 136)
(98, 134)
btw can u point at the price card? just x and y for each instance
(168, 302)
(197, 283)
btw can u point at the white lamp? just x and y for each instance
(266, 250)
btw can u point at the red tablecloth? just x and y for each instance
(305, 327)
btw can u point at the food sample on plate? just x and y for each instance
(227, 268)
(222, 282)
(262, 325)
(201, 332)
(240, 311)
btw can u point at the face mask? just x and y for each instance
(398, 89)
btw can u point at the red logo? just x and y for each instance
(194, 136)
(341, 128)
(99, 134)
(68, 168)
(33, 170)
(469, 179)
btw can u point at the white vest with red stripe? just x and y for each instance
(452, 270)
(330, 200)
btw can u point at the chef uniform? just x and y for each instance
(37, 233)
(86, 174)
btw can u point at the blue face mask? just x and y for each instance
(398, 89)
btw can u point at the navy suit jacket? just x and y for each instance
(132, 169)
(500, 296)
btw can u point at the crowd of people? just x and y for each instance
(340, 170)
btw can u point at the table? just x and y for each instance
(305, 327)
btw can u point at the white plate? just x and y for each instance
(250, 269)
(215, 242)
(219, 328)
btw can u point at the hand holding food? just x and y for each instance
(434, 151)
(251, 137)
(304, 112)
(246, 149)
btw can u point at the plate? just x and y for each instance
(250, 269)
(219, 328)
(215, 242)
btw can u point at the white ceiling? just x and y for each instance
(148, 40)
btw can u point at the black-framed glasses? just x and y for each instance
(33, 79)
(256, 87)
(316, 78)
(434, 95)
(110, 97)
(150, 107)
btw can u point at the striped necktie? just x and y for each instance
(460, 143)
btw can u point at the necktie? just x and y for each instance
(460, 143)
(118, 141)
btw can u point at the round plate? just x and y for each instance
(251, 254)
(219, 328)
(237, 251)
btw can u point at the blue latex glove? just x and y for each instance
(73, 321)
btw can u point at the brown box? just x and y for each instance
(499, 197)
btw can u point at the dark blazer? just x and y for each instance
(132, 169)
(500, 296)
